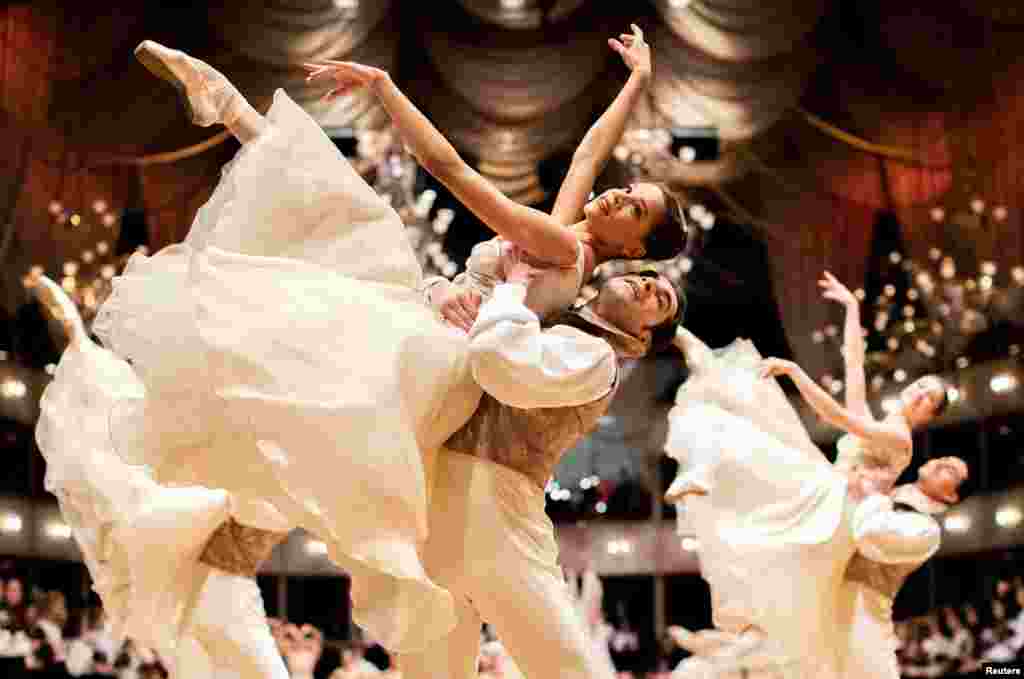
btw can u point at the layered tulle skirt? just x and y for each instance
(287, 335)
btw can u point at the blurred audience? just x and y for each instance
(956, 641)
(41, 639)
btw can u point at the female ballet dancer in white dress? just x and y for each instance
(641, 221)
(776, 523)
(288, 331)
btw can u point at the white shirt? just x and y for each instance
(888, 536)
(523, 366)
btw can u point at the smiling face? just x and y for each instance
(635, 304)
(941, 478)
(922, 398)
(622, 219)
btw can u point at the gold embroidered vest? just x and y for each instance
(238, 549)
(531, 441)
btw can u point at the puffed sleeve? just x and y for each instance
(888, 536)
(523, 366)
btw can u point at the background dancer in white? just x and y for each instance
(778, 524)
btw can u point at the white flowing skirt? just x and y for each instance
(773, 530)
(146, 590)
(286, 333)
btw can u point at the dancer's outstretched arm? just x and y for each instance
(534, 231)
(853, 344)
(596, 148)
(886, 433)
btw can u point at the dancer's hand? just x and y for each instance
(774, 367)
(346, 75)
(460, 307)
(679, 635)
(517, 267)
(634, 51)
(862, 484)
(836, 291)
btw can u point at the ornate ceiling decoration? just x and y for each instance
(521, 14)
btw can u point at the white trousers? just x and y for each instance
(229, 633)
(493, 547)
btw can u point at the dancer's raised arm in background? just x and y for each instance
(920, 402)
(642, 220)
(853, 344)
(591, 156)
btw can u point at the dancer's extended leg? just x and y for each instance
(230, 624)
(209, 96)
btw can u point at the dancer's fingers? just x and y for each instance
(459, 319)
(319, 75)
(616, 45)
(335, 93)
(467, 311)
(769, 368)
(452, 312)
(350, 66)
(637, 31)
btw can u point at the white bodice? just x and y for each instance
(854, 451)
(553, 290)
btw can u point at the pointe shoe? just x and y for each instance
(60, 306)
(205, 91)
(704, 643)
(690, 483)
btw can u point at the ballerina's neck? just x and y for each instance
(595, 251)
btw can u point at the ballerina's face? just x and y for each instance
(921, 399)
(636, 303)
(623, 218)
